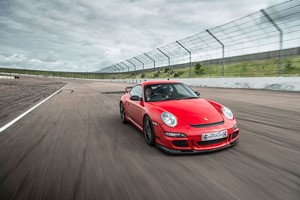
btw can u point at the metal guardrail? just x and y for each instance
(274, 28)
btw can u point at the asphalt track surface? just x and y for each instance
(74, 146)
(17, 95)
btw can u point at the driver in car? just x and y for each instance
(148, 93)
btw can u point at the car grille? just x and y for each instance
(206, 125)
(210, 142)
(180, 143)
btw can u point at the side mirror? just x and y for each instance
(197, 93)
(135, 98)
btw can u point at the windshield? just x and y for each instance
(168, 91)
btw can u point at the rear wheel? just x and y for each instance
(122, 114)
(149, 131)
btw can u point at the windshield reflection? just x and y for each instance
(168, 91)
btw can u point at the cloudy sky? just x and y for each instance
(87, 35)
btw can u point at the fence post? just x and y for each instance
(151, 59)
(190, 56)
(134, 67)
(125, 65)
(122, 69)
(114, 67)
(168, 61)
(110, 69)
(140, 62)
(223, 50)
(280, 41)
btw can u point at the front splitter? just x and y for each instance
(173, 151)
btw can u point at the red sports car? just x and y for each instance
(172, 116)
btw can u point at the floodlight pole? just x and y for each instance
(168, 61)
(140, 62)
(280, 41)
(151, 59)
(223, 50)
(190, 56)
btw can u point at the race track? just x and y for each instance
(74, 146)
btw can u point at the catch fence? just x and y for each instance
(274, 29)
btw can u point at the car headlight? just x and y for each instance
(228, 114)
(176, 135)
(169, 119)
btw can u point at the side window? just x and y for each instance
(136, 91)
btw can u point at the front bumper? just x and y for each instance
(193, 142)
(189, 151)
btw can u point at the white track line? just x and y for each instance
(28, 111)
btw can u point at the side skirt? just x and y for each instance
(135, 124)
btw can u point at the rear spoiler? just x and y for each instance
(127, 89)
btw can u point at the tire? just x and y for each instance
(149, 131)
(122, 114)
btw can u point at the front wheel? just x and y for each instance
(122, 114)
(149, 131)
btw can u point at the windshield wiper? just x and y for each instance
(189, 98)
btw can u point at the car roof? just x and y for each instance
(158, 82)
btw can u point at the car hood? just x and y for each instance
(191, 111)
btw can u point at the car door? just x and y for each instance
(135, 107)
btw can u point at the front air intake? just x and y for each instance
(180, 143)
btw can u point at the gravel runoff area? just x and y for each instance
(74, 146)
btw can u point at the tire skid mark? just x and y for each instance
(247, 108)
(79, 176)
(275, 140)
(266, 124)
(267, 164)
(30, 110)
(22, 101)
(41, 186)
(21, 186)
(82, 165)
(25, 155)
(42, 182)
(273, 118)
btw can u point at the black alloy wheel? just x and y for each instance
(149, 131)
(122, 114)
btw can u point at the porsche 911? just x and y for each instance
(176, 119)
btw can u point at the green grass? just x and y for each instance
(257, 68)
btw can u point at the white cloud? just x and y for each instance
(77, 35)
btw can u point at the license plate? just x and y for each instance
(214, 136)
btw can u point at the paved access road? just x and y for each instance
(74, 147)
